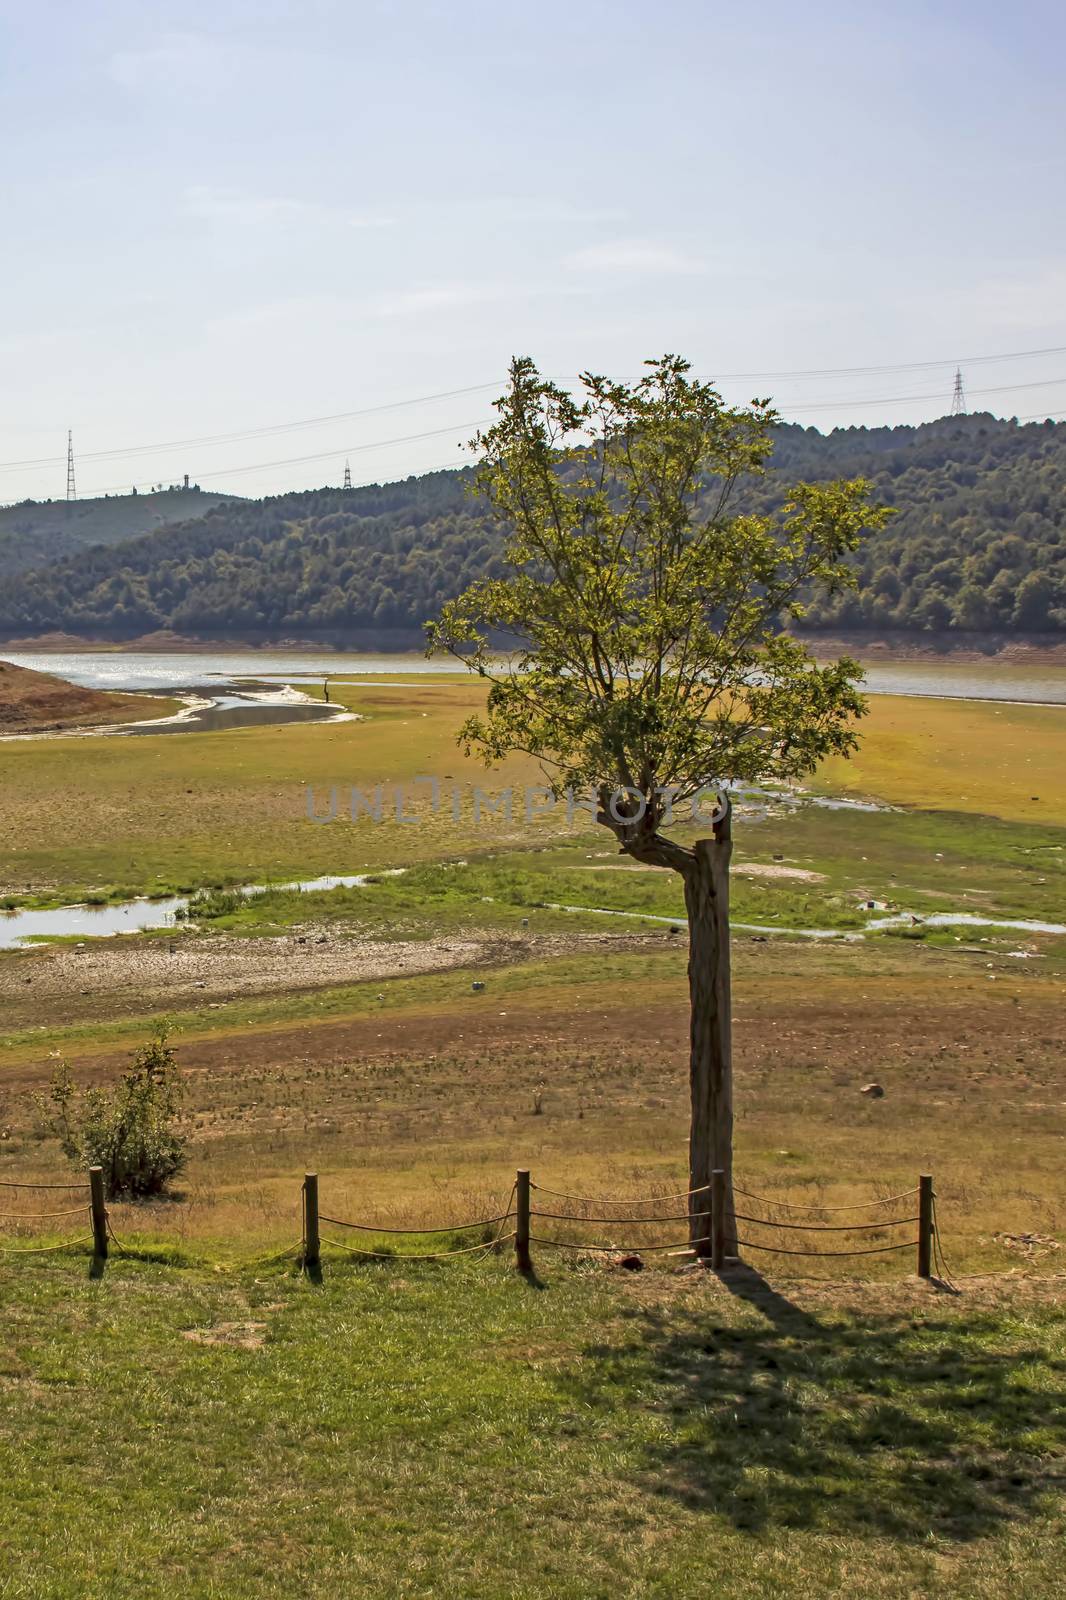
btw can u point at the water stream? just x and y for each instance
(140, 915)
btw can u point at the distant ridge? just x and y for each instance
(35, 533)
(977, 548)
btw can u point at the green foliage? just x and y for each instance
(130, 1131)
(977, 544)
(35, 532)
(646, 616)
(211, 903)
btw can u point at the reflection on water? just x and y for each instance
(231, 711)
(137, 916)
(161, 670)
(976, 680)
(133, 916)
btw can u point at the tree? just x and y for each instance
(131, 1131)
(1032, 605)
(649, 661)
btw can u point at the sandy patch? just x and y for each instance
(748, 869)
(237, 1335)
(776, 869)
(111, 977)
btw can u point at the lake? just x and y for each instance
(209, 671)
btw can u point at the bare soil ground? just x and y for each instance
(416, 1111)
(109, 978)
(38, 702)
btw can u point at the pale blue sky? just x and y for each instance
(225, 217)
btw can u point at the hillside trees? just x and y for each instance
(977, 543)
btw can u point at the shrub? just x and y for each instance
(130, 1130)
(208, 903)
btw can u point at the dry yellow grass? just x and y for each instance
(417, 1114)
(959, 755)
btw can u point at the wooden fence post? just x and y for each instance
(523, 1260)
(312, 1244)
(98, 1211)
(925, 1226)
(718, 1219)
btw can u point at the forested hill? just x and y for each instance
(977, 544)
(37, 532)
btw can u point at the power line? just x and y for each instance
(320, 455)
(895, 366)
(209, 440)
(461, 427)
(907, 399)
(254, 433)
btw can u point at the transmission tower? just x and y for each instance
(958, 399)
(72, 493)
(347, 474)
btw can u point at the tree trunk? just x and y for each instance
(711, 1059)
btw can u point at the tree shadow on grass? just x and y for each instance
(900, 1425)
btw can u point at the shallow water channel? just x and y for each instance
(127, 916)
(137, 916)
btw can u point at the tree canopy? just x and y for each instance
(650, 661)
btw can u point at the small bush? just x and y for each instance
(130, 1130)
(208, 903)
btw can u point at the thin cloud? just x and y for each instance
(433, 297)
(174, 60)
(1030, 296)
(633, 258)
(423, 299)
(236, 209)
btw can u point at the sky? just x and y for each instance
(223, 220)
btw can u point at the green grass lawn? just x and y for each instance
(924, 861)
(456, 1431)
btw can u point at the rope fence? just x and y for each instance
(13, 1183)
(713, 1233)
(313, 1239)
(860, 1205)
(92, 1208)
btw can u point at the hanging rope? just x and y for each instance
(938, 1252)
(569, 1216)
(439, 1255)
(787, 1205)
(591, 1200)
(33, 1216)
(43, 1249)
(777, 1250)
(825, 1227)
(618, 1249)
(11, 1183)
(456, 1227)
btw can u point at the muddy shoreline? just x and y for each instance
(1038, 650)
